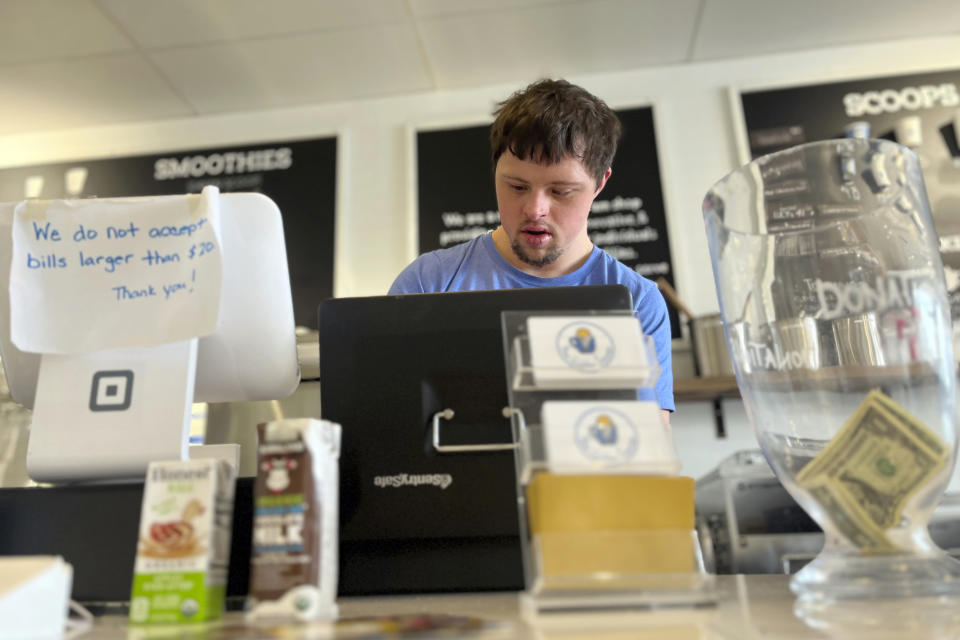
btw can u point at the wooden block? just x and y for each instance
(583, 553)
(557, 502)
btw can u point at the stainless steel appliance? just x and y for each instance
(748, 523)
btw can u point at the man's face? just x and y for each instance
(544, 209)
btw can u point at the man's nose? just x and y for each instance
(536, 204)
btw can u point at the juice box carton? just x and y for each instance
(183, 549)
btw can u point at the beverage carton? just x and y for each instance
(183, 550)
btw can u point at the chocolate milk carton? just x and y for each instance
(293, 563)
(183, 551)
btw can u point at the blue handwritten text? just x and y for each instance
(123, 293)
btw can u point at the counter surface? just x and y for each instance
(756, 606)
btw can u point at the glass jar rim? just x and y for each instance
(711, 215)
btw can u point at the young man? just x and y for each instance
(552, 147)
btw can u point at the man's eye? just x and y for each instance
(562, 192)
(518, 187)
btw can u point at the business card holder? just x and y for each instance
(606, 522)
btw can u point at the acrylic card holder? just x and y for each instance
(606, 522)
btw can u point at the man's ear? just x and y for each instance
(603, 181)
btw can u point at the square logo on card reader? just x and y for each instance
(111, 390)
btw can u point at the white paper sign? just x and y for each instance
(589, 351)
(607, 436)
(99, 274)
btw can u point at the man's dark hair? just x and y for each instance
(551, 119)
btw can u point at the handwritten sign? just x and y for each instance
(100, 274)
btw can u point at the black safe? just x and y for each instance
(413, 519)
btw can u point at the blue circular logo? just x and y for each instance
(585, 346)
(606, 435)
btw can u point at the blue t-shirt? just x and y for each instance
(477, 265)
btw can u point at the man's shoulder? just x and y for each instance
(450, 258)
(620, 273)
(433, 271)
(647, 299)
(459, 249)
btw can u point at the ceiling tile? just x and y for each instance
(170, 23)
(423, 8)
(35, 30)
(557, 39)
(79, 93)
(338, 65)
(734, 28)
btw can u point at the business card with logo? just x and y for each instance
(590, 351)
(607, 437)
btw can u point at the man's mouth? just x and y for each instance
(536, 236)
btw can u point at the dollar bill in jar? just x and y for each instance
(872, 467)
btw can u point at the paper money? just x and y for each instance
(866, 474)
(861, 534)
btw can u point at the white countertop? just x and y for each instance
(757, 606)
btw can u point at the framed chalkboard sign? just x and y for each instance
(300, 176)
(456, 201)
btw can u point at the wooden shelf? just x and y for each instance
(846, 378)
(705, 389)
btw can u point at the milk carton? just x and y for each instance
(293, 561)
(183, 550)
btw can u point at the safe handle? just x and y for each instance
(447, 414)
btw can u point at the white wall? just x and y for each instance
(697, 133)
(697, 136)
